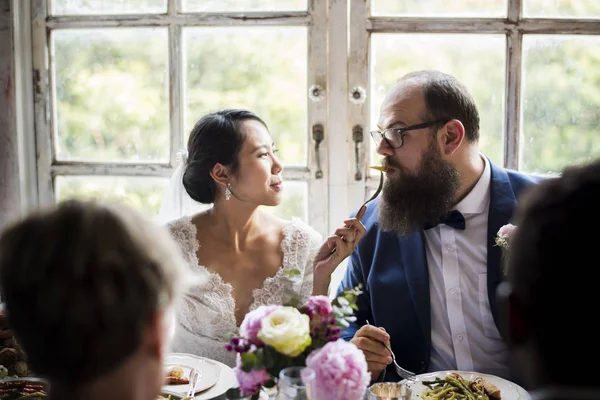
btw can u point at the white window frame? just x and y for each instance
(48, 167)
(514, 26)
(338, 57)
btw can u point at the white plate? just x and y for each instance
(216, 379)
(508, 389)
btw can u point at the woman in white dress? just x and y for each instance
(246, 253)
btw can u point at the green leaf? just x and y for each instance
(292, 272)
(249, 360)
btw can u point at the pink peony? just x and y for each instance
(320, 305)
(252, 323)
(251, 382)
(340, 371)
(507, 231)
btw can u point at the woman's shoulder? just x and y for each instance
(298, 225)
(184, 232)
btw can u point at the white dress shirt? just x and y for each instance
(463, 333)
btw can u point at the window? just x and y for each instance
(119, 83)
(530, 64)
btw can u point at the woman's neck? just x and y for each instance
(234, 224)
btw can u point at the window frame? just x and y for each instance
(47, 165)
(514, 27)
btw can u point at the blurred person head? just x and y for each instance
(232, 149)
(88, 290)
(431, 126)
(553, 280)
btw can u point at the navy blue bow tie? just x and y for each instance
(453, 219)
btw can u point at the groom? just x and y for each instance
(428, 263)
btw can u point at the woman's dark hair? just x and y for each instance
(216, 138)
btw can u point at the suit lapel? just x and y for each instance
(414, 262)
(502, 203)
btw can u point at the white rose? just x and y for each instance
(287, 330)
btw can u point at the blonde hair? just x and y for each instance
(80, 282)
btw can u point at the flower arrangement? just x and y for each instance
(504, 235)
(503, 239)
(272, 338)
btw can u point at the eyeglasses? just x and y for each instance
(394, 137)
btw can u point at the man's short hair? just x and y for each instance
(81, 281)
(553, 269)
(446, 99)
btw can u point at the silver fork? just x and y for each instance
(406, 374)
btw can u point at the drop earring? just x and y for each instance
(227, 192)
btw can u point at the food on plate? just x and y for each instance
(22, 389)
(176, 376)
(377, 167)
(456, 387)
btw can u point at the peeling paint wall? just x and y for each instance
(9, 166)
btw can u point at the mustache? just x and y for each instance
(387, 163)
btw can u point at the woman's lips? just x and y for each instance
(277, 186)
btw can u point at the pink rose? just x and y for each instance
(252, 323)
(340, 371)
(320, 305)
(507, 231)
(251, 382)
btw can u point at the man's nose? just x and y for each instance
(384, 149)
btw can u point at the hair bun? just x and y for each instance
(198, 183)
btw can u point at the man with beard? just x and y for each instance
(428, 263)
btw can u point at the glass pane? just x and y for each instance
(260, 69)
(243, 5)
(459, 8)
(561, 8)
(467, 57)
(112, 100)
(561, 102)
(94, 7)
(143, 193)
(294, 203)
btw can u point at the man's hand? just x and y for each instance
(369, 339)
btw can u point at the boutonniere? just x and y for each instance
(503, 239)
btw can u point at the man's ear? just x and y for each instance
(453, 134)
(155, 334)
(220, 174)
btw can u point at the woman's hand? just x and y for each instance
(334, 250)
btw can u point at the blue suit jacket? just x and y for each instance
(395, 279)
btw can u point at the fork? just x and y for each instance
(406, 374)
(373, 197)
(194, 378)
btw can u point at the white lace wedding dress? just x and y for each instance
(206, 316)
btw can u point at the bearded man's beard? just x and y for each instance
(410, 201)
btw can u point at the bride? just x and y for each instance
(247, 253)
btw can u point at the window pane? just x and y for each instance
(478, 61)
(112, 100)
(243, 5)
(294, 203)
(260, 69)
(459, 8)
(561, 102)
(561, 8)
(143, 193)
(93, 7)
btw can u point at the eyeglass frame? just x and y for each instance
(401, 131)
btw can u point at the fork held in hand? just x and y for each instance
(399, 370)
(363, 208)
